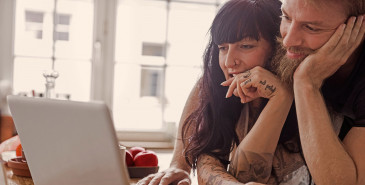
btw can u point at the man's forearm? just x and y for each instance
(211, 172)
(327, 160)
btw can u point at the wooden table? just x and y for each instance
(7, 176)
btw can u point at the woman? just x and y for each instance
(243, 42)
(243, 39)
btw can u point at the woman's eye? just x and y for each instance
(222, 48)
(284, 17)
(244, 46)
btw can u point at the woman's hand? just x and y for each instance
(316, 67)
(171, 175)
(255, 83)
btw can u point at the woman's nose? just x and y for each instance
(231, 59)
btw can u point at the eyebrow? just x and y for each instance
(317, 23)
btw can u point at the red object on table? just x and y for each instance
(129, 158)
(146, 158)
(135, 150)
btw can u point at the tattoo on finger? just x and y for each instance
(246, 82)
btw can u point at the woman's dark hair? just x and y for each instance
(210, 129)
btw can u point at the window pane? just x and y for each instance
(139, 22)
(178, 84)
(131, 109)
(74, 29)
(138, 72)
(28, 74)
(151, 81)
(33, 28)
(74, 79)
(187, 37)
(188, 32)
(73, 44)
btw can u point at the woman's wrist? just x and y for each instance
(283, 95)
(178, 165)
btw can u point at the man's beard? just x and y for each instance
(285, 67)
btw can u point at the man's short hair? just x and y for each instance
(352, 7)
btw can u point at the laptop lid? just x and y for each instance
(68, 142)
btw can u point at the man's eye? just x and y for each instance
(312, 29)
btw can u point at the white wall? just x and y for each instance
(6, 39)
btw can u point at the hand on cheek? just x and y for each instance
(330, 57)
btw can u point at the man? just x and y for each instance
(330, 81)
(325, 64)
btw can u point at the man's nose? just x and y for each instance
(292, 36)
(231, 59)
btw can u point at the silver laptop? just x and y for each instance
(68, 143)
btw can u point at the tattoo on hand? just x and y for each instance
(271, 88)
(248, 74)
(263, 82)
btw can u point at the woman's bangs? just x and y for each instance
(235, 26)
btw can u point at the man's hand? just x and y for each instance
(330, 57)
(172, 175)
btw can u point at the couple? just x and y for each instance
(240, 124)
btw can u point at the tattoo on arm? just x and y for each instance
(211, 172)
(251, 167)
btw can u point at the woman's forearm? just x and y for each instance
(178, 159)
(211, 171)
(252, 160)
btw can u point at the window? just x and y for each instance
(62, 27)
(173, 36)
(142, 57)
(151, 80)
(34, 24)
(65, 46)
